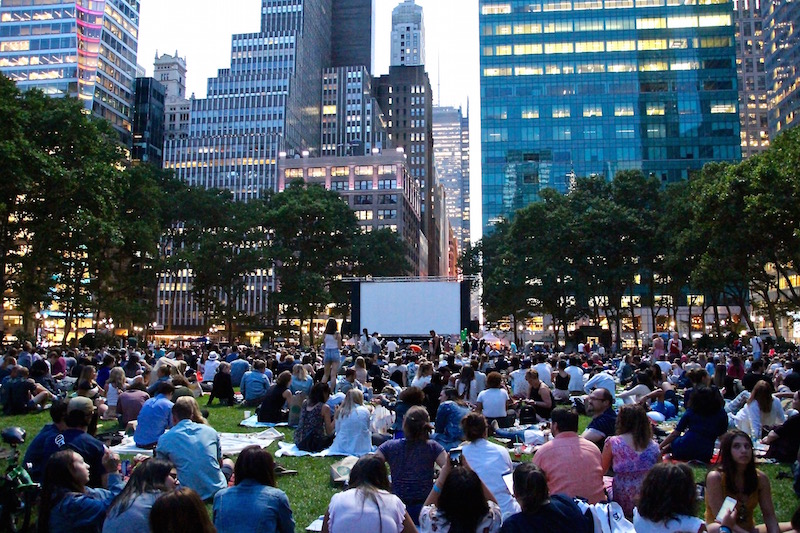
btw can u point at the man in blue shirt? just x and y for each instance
(600, 406)
(155, 417)
(238, 369)
(195, 450)
(254, 384)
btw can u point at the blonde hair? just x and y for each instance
(117, 378)
(353, 399)
(299, 371)
(186, 407)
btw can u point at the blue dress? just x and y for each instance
(448, 424)
(699, 434)
(353, 436)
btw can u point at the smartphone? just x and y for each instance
(455, 456)
(727, 506)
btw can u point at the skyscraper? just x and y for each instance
(352, 120)
(750, 65)
(580, 87)
(408, 35)
(148, 122)
(352, 35)
(783, 64)
(80, 48)
(266, 103)
(170, 71)
(451, 152)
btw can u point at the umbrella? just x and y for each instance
(415, 348)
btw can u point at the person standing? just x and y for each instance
(757, 345)
(332, 344)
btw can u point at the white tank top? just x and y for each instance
(330, 342)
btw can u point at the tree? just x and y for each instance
(312, 232)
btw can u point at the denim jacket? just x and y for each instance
(267, 509)
(87, 511)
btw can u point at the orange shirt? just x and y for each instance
(573, 466)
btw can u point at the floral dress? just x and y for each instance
(431, 521)
(630, 467)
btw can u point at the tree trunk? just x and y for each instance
(717, 325)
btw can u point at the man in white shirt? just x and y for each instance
(601, 380)
(519, 386)
(575, 376)
(545, 370)
(391, 347)
(756, 344)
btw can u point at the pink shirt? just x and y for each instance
(573, 466)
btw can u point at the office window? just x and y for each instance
(387, 214)
(592, 110)
(363, 185)
(561, 111)
(364, 214)
(340, 171)
(655, 109)
(364, 170)
(362, 199)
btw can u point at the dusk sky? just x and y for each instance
(201, 32)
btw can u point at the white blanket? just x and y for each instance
(232, 443)
(291, 450)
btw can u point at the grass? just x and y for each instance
(310, 490)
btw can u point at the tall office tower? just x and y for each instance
(266, 103)
(148, 122)
(406, 99)
(581, 87)
(408, 35)
(352, 38)
(451, 153)
(783, 63)
(750, 58)
(170, 71)
(352, 121)
(83, 48)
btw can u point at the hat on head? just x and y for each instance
(213, 356)
(80, 403)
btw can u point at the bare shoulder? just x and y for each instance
(714, 477)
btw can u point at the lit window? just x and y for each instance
(685, 65)
(591, 46)
(561, 111)
(364, 170)
(723, 107)
(620, 46)
(503, 50)
(655, 109)
(496, 9)
(364, 214)
(653, 66)
(340, 171)
(531, 112)
(681, 22)
(650, 23)
(490, 72)
(527, 29)
(707, 21)
(527, 49)
(294, 172)
(329, 110)
(590, 68)
(502, 29)
(558, 48)
(528, 71)
(316, 172)
(653, 44)
(592, 110)
(622, 66)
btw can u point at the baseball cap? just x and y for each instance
(80, 403)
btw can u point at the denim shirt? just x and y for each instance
(195, 450)
(254, 385)
(252, 507)
(448, 423)
(154, 419)
(85, 512)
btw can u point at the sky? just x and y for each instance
(201, 32)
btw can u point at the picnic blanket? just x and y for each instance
(252, 422)
(288, 449)
(232, 443)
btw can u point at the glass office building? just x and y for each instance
(581, 87)
(84, 48)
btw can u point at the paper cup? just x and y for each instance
(247, 414)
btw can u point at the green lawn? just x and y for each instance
(310, 490)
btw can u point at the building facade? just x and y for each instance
(352, 35)
(352, 121)
(377, 187)
(751, 68)
(170, 71)
(451, 153)
(148, 122)
(408, 35)
(406, 99)
(266, 103)
(783, 63)
(591, 87)
(83, 48)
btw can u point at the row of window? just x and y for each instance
(650, 131)
(539, 6)
(611, 24)
(382, 214)
(601, 67)
(684, 107)
(627, 45)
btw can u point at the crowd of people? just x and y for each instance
(440, 418)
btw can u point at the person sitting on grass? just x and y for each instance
(694, 436)
(738, 478)
(130, 510)
(353, 435)
(314, 432)
(268, 507)
(277, 395)
(255, 384)
(451, 412)
(223, 386)
(180, 511)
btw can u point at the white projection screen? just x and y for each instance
(411, 308)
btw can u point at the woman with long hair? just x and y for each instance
(467, 386)
(301, 381)
(367, 505)
(130, 510)
(632, 452)
(761, 413)
(67, 504)
(738, 478)
(493, 402)
(332, 344)
(694, 437)
(179, 511)
(267, 507)
(271, 409)
(115, 385)
(411, 460)
(644, 386)
(314, 432)
(353, 436)
(424, 375)
(542, 511)
(561, 382)
(459, 503)
(452, 410)
(668, 501)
